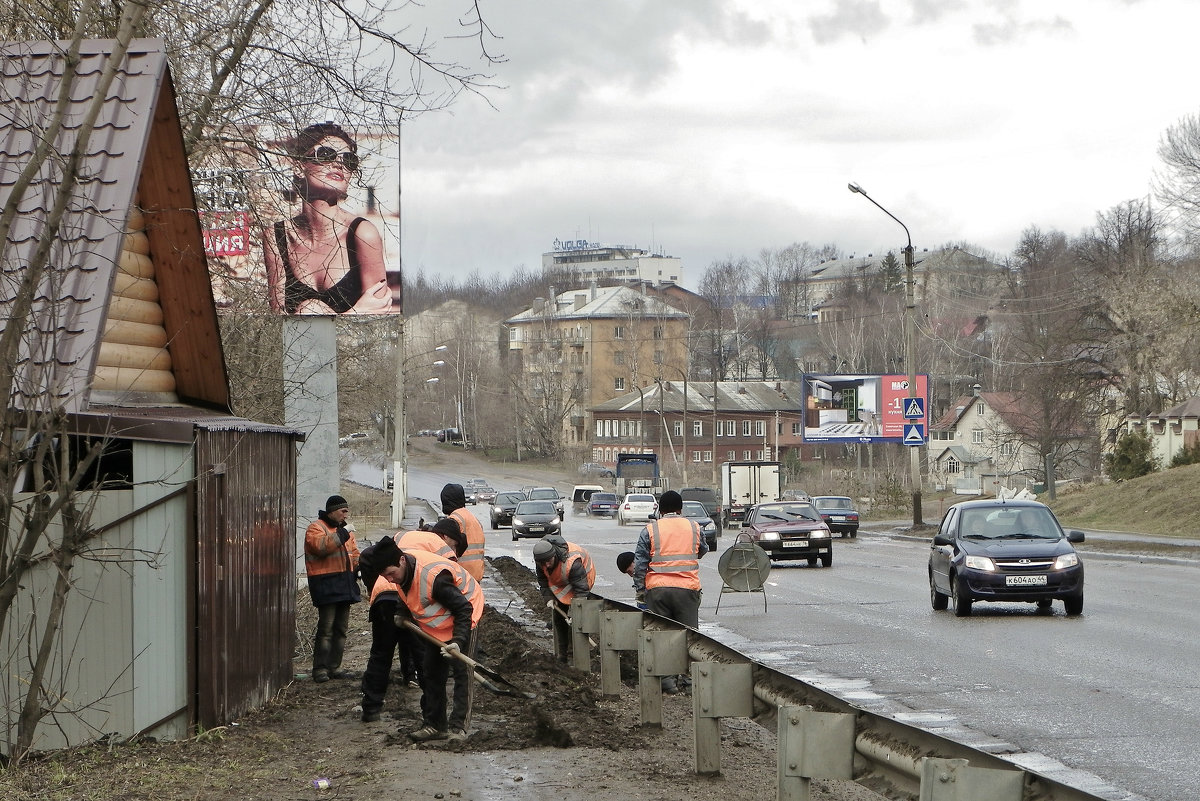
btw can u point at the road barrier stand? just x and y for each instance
(618, 632)
(660, 653)
(719, 690)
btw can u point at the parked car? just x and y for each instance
(789, 530)
(602, 504)
(710, 499)
(535, 519)
(481, 494)
(580, 496)
(1004, 551)
(694, 510)
(795, 495)
(597, 470)
(357, 435)
(636, 506)
(838, 512)
(547, 494)
(503, 507)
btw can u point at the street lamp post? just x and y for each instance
(400, 432)
(910, 347)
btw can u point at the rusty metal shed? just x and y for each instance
(183, 607)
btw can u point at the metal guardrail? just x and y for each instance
(820, 736)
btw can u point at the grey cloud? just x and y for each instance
(857, 18)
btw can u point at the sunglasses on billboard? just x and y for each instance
(327, 155)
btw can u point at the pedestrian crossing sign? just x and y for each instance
(914, 408)
(914, 434)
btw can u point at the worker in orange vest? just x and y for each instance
(446, 603)
(564, 570)
(331, 562)
(454, 504)
(666, 567)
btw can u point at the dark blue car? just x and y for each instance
(1004, 551)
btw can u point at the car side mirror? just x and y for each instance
(1074, 535)
(942, 539)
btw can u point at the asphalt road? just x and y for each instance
(1106, 701)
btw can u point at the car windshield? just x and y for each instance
(1013, 523)
(536, 508)
(833, 503)
(640, 499)
(543, 494)
(694, 509)
(606, 497)
(785, 512)
(509, 497)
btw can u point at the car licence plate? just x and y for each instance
(537, 528)
(838, 518)
(1025, 581)
(795, 544)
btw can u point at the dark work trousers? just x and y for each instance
(435, 671)
(385, 637)
(562, 632)
(681, 605)
(333, 621)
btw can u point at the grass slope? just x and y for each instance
(1166, 503)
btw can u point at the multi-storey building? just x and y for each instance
(696, 425)
(596, 343)
(610, 263)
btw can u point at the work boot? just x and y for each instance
(320, 676)
(371, 717)
(342, 674)
(456, 735)
(669, 687)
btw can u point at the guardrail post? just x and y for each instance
(585, 620)
(955, 780)
(618, 632)
(660, 653)
(719, 690)
(813, 745)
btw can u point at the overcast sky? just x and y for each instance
(710, 129)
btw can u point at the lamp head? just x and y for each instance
(855, 188)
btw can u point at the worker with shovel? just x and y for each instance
(564, 570)
(445, 604)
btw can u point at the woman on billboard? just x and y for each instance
(325, 260)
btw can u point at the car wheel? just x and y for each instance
(812, 561)
(1044, 604)
(960, 600)
(515, 537)
(853, 533)
(1074, 604)
(620, 520)
(938, 600)
(827, 560)
(495, 525)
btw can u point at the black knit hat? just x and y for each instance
(386, 553)
(336, 502)
(448, 527)
(670, 501)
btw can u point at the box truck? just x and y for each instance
(744, 484)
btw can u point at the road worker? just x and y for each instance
(564, 570)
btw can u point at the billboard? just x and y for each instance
(862, 408)
(306, 222)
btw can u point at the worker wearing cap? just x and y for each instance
(666, 568)
(331, 562)
(564, 570)
(446, 603)
(454, 504)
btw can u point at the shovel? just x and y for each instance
(567, 618)
(487, 677)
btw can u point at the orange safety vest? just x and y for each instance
(674, 542)
(425, 541)
(382, 585)
(324, 552)
(431, 616)
(559, 578)
(472, 558)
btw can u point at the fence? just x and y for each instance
(820, 736)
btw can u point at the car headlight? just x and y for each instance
(980, 563)
(1065, 561)
(819, 533)
(555, 522)
(517, 521)
(769, 536)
